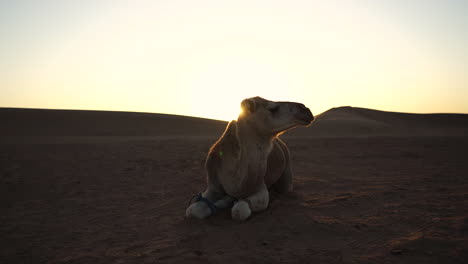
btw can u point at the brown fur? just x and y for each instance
(227, 148)
(249, 157)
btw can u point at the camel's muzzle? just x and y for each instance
(304, 114)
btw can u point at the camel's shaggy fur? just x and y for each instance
(249, 158)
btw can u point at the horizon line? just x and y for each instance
(214, 119)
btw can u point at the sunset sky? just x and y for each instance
(201, 58)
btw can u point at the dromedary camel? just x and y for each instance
(249, 158)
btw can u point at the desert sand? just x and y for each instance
(112, 187)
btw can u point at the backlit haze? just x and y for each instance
(201, 58)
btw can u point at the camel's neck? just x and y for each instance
(251, 141)
(252, 163)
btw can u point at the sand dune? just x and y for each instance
(45, 122)
(112, 187)
(340, 121)
(354, 121)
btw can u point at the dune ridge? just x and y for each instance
(337, 122)
(355, 121)
(48, 122)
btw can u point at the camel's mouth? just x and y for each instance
(304, 117)
(305, 122)
(296, 123)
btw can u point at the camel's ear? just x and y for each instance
(248, 105)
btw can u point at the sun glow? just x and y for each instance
(201, 59)
(222, 85)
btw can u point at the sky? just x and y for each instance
(201, 58)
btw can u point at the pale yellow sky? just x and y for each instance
(201, 58)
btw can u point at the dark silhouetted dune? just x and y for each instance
(45, 122)
(354, 121)
(336, 122)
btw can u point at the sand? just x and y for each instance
(112, 187)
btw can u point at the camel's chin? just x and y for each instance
(297, 123)
(286, 128)
(304, 121)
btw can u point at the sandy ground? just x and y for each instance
(119, 196)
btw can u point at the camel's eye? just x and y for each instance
(274, 109)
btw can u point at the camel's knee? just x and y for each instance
(241, 211)
(198, 210)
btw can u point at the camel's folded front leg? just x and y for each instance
(206, 205)
(256, 202)
(198, 210)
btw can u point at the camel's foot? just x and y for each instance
(241, 211)
(199, 210)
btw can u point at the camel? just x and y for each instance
(249, 159)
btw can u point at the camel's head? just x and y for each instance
(272, 118)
